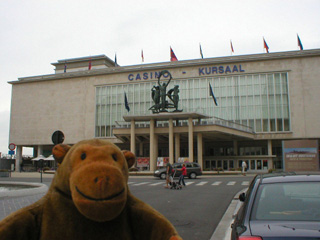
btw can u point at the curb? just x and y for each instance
(223, 230)
(31, 189)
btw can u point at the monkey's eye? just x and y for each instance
(83, 156)
(114, 156)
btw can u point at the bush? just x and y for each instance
(4, 170)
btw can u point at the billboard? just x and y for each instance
(162, 161)
(300, 155)
(143, 162)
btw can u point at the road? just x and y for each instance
(195, 211)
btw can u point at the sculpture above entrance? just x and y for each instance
(159, 95)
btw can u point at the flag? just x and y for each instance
(265, 45)
(89, 67)
(126, 104)
(212, 95)
(65, 66)
(173, 56)
(232, 51)
(115, 60)
(201, 51)
(299, 43)
(142, 57)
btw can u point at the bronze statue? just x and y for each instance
(159, 95)
(163, 91)
(173, 94)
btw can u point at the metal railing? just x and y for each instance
(203, 122)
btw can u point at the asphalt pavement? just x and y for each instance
(11, 203)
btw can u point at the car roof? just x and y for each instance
(289, 177)
(177, 163)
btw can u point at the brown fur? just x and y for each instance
(89, 199)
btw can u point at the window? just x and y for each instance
(253, 164)
(260, 101)
(298, 201)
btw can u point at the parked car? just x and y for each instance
(193, 170)
(279, 206)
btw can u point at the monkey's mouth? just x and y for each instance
(100, 199)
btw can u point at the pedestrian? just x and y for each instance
(168, 175)
(244, 168)
(183, 174)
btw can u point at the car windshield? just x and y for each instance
(297, 201)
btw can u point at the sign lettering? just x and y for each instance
(221, 70)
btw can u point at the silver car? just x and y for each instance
(193, 170)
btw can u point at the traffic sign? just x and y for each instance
(11, 152)
(57, 137)
(12, 146)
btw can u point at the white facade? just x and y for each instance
(67, 101)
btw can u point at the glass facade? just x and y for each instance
(260, 101)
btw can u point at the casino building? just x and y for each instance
(264, 101)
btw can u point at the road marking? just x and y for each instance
(139, 184)
(231, 183)
(201, 183)
(216, 183)
(155, 184)
(189, 183)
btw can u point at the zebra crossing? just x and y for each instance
(195, 183)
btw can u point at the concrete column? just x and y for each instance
(18, 157)
(152, 152)
(177, 146)
(190, 136)
(156, 149)
(171, 142)
(269, 147)
(270, 162)
(235, 147)
(40, 150)
(200, 149)
(141, 149)
(133, 137)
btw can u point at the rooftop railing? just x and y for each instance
(203, 122)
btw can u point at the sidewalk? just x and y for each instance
(50, 174)
(30, 175)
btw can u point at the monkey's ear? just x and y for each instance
(130, 157)
(59, 151)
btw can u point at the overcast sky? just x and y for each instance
(36, 33)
